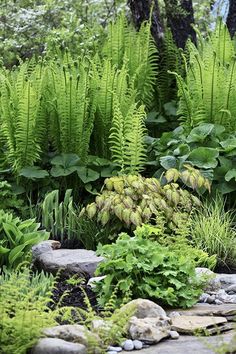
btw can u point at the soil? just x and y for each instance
(70, 291)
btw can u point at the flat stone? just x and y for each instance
(71, 261)
(45, 246)
(207, 310)
(193, 324)
(149, 330)
(70, 333)
(190, 344)
(145, 308)
(58, 346)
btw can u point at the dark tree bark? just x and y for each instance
(141, 12)
(231, 19)
(181, 23)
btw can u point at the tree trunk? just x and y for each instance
(180, 19)
(231, 19)
(141, 12)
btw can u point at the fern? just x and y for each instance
(127, 138)
(23, 123)
(73, 107)
(208, 94)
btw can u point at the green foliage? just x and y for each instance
(60, 218)
(16, 238)
(208, 147)
(8, 199)
(212, 231)
(132, 200)
(73, 106)
(24, 312)
(208, 94)
(23, 123)
(147, 269)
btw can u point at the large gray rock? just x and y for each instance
(43, 247)
(145, 308)
(70, 333)
(149, 330)
(71, 261)
(58, 346)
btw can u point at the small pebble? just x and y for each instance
(128, 345)
(114, 349)
(111, 352)
(137, 344)
(174, 334)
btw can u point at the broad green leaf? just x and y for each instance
(60, 171)
(200, 133)
(229, 144)
(168, 162)
(204, 157)
(87, 174)
(33, 172)
(66, 160)
(16, 253)
(4, 250)
(230, 175)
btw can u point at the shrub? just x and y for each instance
(149, 270)
(17, 237)
(132, 200)
(213, 231)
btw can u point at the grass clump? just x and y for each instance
(213, 231)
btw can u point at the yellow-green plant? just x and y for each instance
(133, 200)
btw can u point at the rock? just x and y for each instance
(191, 324)
(58, 346)
(128, 345)
(211, 299)
(137, 344)
(212, 282)
(145, 308)
(226, 280)
(149, 330)
(208, 310)
(231, 288)
(70, 333)
(45, 246)
(71, 261)
(174, 335)
(93, 281)
(114, 349)
(226, 298)
(174, 314)
(204, 297)
(218, 302)
(111, 352)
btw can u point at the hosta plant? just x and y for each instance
(133, 200)
(147, 269)
(17, 237)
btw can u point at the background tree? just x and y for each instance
(231, 19)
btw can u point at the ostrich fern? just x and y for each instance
(208, 94)
(23, 121)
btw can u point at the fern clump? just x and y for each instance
(133, 200)
(24, 311)
(208, 94)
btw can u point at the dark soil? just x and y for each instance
(70, 291)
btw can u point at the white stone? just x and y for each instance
(58, 346)
(93, 281)
(128, 345)
(174, 335)
(114, 349)
(137, 344)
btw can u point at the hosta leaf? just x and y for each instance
(33, 172)
(231, 174)
(87, 174)
(66, 160)
(200, 133)
(168, 162)
(204, 157)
